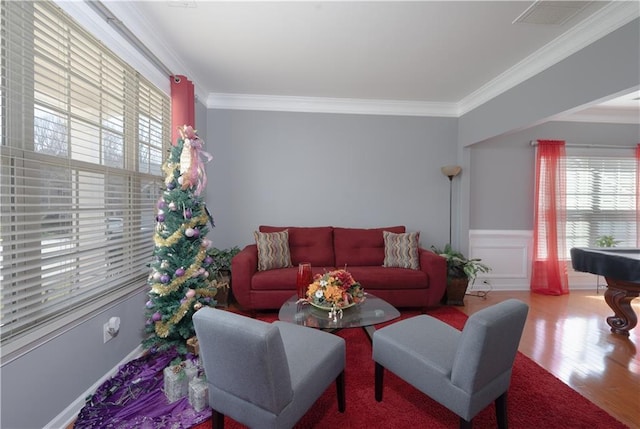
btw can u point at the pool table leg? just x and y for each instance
(619, 295)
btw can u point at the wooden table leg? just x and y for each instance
(618, 296)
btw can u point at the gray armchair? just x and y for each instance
(464, 371)
(266, 375)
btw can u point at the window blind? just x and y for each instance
(83, 136)
(601, 200)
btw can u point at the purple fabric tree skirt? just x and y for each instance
(134, 398)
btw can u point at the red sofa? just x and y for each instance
(361, 251)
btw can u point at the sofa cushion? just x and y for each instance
(401, 250)
(313, 245)
(359, 246)
(381, 278)
(273, 250)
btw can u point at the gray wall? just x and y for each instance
(42, 383)
(502, 169)
(608, 66)
(201, 120)
(310, 169)
(345, 170)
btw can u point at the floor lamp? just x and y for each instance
(451, 171)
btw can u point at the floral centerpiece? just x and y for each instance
(334, 290)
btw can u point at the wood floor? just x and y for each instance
(569, 337)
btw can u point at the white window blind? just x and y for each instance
(80, 171)
(601, 200)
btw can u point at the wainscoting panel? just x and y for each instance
(508, 253)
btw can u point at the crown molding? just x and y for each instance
(138, 23)
(603, 116)
(609, 18)
(606, 20)
(330, 105)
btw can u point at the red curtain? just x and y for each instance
(638, 195)
(182, 105)
(549, 271)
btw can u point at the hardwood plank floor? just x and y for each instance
(569, 337)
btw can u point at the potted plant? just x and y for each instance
(607, 241)
(221, 265)
(220, 272)
(460, 271)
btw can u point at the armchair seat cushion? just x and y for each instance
(408, 337)
(313, 358)
(426, 365)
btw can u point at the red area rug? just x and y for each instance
(536, 399)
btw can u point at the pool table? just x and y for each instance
(621, 269)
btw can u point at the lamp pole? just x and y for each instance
(450, 204)
(451, 171)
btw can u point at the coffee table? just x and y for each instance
(371, 311)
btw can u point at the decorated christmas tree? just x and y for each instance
(179, 281)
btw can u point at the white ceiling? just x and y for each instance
(426, 57)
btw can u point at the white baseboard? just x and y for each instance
(69, 414)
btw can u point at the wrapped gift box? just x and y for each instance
(198, 394)
(176, 384)
(193, 346)
(177, 378)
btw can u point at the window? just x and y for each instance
(601, 199)
(80, 172)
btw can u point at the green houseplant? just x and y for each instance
(460, 271)
(607, 241)
(221, 265)
(220, 272)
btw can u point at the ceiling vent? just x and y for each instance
(185, 4)
(550, 12)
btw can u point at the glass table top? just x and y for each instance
(371, 311)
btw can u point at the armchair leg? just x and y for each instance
(501, 411)
(340, 389)
(379, 378)
(217, 419)
(466, 424)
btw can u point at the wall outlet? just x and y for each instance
(110, 329)
(106, 336)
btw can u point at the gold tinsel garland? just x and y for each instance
(162, 328)
(162, 289)
(179, 233)
(169, 167)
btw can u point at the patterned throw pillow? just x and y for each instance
(401, 250)
(273, 250)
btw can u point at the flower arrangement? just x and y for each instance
(334, 290)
